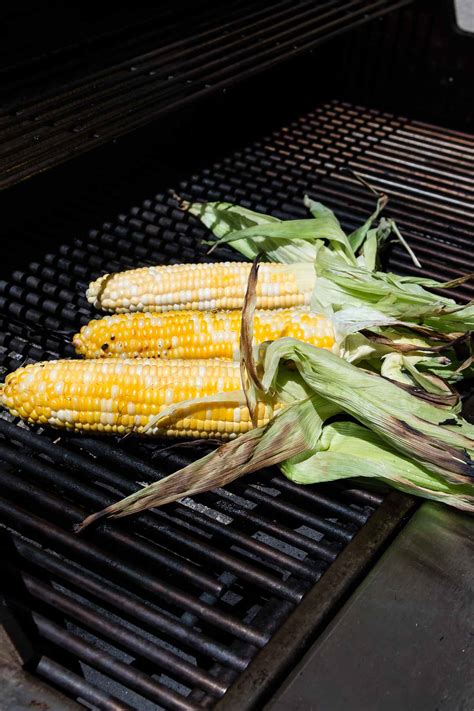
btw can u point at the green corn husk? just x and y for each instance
(349, 290)
(289, 433)
(348, 285)
(391, 435)
(354, 295)
(382, 408)
(252, 233)
(347, 449)
(432, 435)
(422, 363)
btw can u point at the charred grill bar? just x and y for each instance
(206, 602)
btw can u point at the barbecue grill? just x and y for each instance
(209, 602)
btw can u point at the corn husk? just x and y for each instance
(354, 295)
(351, 292)
(435, 436)
(286, 241)
(348, 450)
(253, 233)
(381, 407)
(348, 283)
(375, 430)
(289, 433)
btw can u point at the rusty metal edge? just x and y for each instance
(268, 669)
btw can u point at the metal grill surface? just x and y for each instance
(213, 49)
(169, 608)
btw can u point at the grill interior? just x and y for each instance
(66, 107)
(169, 608)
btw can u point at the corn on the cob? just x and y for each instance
(121, 396)
(201, 287)
(192, 334)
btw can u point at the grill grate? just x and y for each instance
(185, 591)
(170, 607)
(223, 48)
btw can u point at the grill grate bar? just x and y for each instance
(33, 526)
(162, 56)
(174, 460)
(361, 496)
(446, 134)
(201, 52)
(287, 509)
(138, 549)
(159, 527)
(78, 687)
(422, 197)
(247, 543)
(119, 636)
(413, 181)
(132, 678)
(457, 177)
(193, 61)
(279, 531)
(449, 152)
(431, 227)
(153, 620)
(315, 498)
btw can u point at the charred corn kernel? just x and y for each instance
(202, 287)
(192, 334)
(121, 396)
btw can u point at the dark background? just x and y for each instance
(411, 62)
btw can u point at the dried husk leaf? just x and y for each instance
(285, 435)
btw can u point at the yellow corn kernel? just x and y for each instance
(203, 287)
(123, 396)
(192, 334)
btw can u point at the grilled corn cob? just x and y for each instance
(122, 396)
(201, 287)
(191, 334)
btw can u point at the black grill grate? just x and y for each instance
(168, 608)
(190, 592)
(210, 51)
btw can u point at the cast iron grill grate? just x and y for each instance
(213, 49)
(168, 609)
